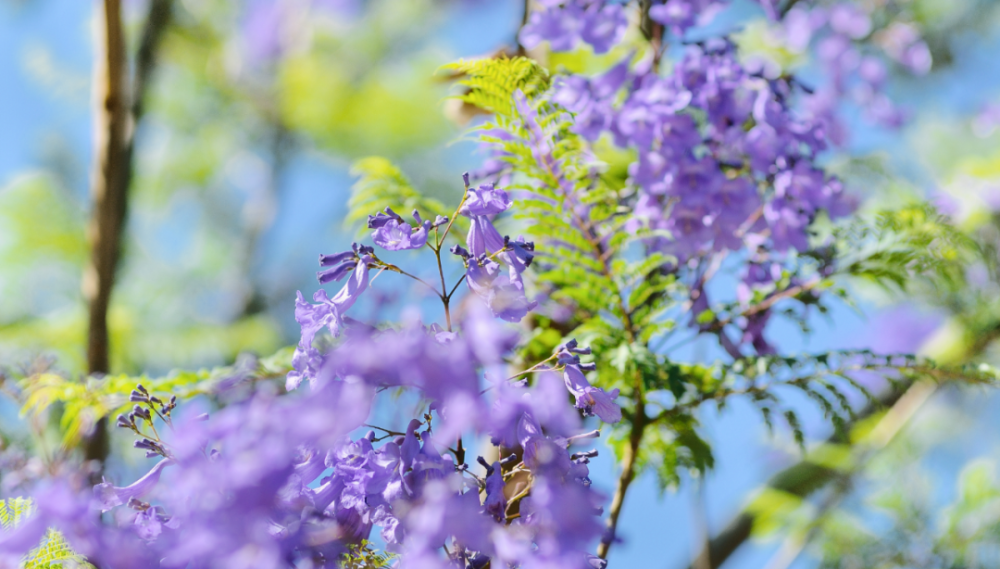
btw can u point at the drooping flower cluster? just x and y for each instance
(726, 151)
(725, 162)
(503, 293)
(282, 481)
(565, 24)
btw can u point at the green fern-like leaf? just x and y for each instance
(365, 556)
(381, 184)
(85, 402)
(491, 83)
(53, 551)
(13, 510)
(907, 243)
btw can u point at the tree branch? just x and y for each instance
(639, 423)
(114, 138)
(801, 479)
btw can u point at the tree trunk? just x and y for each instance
(114, 137)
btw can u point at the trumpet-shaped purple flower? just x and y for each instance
(597, 23)
(495, 503)
(503, 294)
(111, 496)
(394, 234)
(483, 237)
(485, 200)
(591, 400)
(326, 313)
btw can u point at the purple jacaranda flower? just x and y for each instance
(678, 15)
(591, 400)
(518, 254)
(326, 313)
(149, 521)
(564, 516)
(495, 503)
(483, 237)
(503, 293)
(489, 341)
(485, 200)
(545, 403)
(591, 99)
(603, 26)
(560, 26)
(394, 234)
(446, 510)
(111, 496)
(418, 360)
(597, 23)
(788, 223)
(340, 265)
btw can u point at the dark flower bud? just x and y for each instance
(465, 178)
(588, 367)
(461, 252)
(141, 412)
(380, 219)
(332, 260)
(439, 221)
(136, 397)
(145, 444)
(486, 465)
(477, 561)
(567, 358)
(155, 399)
(123, 422)
(508, 460)
(141, 388)
(573, 347)
(151, 454)
(336, 273)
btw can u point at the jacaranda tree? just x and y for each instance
(614, 208)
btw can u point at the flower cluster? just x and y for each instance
(281, 481)
(726, 151)
(725, 161)
(565, 24)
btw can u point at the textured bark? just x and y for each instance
(114, 135)
(108, 189)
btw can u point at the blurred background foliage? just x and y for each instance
(256, 113)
